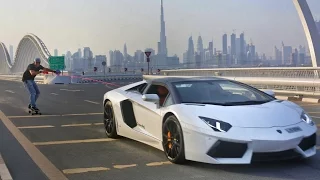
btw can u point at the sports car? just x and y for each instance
(210, 120)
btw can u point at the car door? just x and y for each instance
(148, 114)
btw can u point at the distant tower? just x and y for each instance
(200, 49)
(225, 44)
(190, 55)
(163, 38)
(125, 52)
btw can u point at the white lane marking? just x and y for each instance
(70, 90)
(10, 91)
(35, 127)
(91, 102)
(4, 171)
(54, 94)
(75, 125)
(38, 158)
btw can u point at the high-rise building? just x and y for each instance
(286, 54)
(233, 44)
(200, 49)
(111, 62)
(56, 52)
(233, 48)
(125, 53)
(210, 49)
(88, 58)
(225, 44)
(242, 47)
(163, 38)
(190, 56)
(98, 61)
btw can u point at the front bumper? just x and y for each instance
(246, 145)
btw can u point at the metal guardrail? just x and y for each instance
(308, 87)
(276, 72)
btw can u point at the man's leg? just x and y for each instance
(32, 92)
(36, 88)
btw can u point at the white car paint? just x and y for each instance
(256, 125)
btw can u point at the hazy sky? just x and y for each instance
(106, 25)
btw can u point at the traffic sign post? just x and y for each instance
(56, 62)
(95, 70)
(148, 53)
(104, 67)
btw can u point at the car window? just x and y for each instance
(219, 92)
(140, 88)
(169, 101)
(160, 90)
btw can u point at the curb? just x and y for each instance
(4, 172)
(293, 98)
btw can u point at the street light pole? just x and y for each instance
(148, 53)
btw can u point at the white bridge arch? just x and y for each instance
(29, 48)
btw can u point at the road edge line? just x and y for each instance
(4, 171)
(38, 158)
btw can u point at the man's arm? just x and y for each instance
(49, 70)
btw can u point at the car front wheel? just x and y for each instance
(172, 142)
(109, 121)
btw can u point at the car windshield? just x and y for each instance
(219, 92)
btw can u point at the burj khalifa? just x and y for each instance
(163, 39)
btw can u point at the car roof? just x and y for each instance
(179, 79)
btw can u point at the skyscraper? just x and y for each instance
(163, 39)
(125, 53)
(190, 55)
(200, 49)
(225, 44)
(233, 49)
(233, 44)
(242, 50)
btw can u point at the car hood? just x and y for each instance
(271, 114)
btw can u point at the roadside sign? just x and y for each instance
(56, 62)
(148, 53)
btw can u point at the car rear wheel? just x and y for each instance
(109, 121)
(172, 140)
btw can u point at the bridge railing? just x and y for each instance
(292, 85)
(281, 72)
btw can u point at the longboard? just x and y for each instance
(32, 112)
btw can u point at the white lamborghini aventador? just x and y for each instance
(210, 120)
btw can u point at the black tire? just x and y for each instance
(109, 121)
(172, 140)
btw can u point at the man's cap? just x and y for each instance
(37, 60)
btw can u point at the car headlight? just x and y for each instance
(216, 125)
(306, 118)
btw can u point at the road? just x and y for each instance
(69, 138)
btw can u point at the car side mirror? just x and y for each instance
(151, 98)
(270, 92)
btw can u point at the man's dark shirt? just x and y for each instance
(27, 75)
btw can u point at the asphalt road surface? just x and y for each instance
(69, 139)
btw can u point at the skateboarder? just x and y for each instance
(28, 79)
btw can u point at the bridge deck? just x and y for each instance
(70, 135)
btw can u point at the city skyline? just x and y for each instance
(175, 46)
